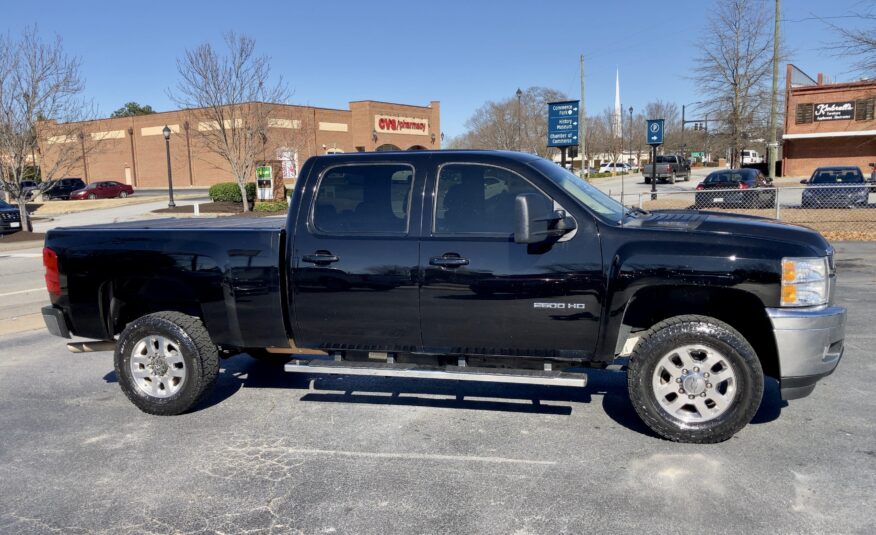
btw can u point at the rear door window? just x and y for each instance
(364, 199)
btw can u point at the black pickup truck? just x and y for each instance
(484, 266)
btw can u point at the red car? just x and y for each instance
(103, 190)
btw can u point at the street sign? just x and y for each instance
(563, 123)
(654, 134)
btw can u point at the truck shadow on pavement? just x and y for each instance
(610, 386)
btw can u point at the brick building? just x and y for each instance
(132, 149)
(827, 124)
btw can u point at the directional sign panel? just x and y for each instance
(654, 134)
(562, 123)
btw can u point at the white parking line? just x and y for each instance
(21, 255)
(22, 292)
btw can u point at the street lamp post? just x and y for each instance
(519, 135)
(630, 159)
(166, 132)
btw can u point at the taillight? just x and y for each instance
(743, 185)
(700, 187)
(53, 277)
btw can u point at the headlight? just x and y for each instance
(804, 282)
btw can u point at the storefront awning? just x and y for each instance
(815, 135)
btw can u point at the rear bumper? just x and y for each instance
(810, 344)
(55, 321)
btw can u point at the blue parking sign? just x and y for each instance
(654, 134)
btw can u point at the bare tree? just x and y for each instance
(859, 42)
(230, 98)
(495, 125)
(39, 90)
(734, 68)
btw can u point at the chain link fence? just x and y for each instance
(839, 212)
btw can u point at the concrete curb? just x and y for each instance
(16, 246)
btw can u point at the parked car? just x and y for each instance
(398, 265)
(108, 189)
(827, 188)
(28, 186)
(618, 167)
(62, 188)
(10, 218)
(669, 168)
(744, 188)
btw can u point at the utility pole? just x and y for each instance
(682, 131)
(774, 146)
(582, 129)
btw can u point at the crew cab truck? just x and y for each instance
(485, 266)
(667, 168)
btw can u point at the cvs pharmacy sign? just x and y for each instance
(389, 124)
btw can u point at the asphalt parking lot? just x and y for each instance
(270, 452)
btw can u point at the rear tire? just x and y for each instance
(166, 362)
(671, 179)
(123, 194)
(695, 379)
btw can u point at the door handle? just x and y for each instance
(448, 261)
(320, 258)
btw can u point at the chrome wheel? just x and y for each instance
(694, 383)
(157, 366)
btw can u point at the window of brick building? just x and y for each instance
(805, 113)
(864, 109)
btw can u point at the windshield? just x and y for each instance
(586, 194)
(837, 176)
(4, 205)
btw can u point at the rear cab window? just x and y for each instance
(363, 199)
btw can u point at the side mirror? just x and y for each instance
(534, 222)
(804, 181)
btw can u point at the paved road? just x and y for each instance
(130, 212)
(789, 193)
(266, 453)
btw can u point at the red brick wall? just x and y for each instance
(802, 156)
(120, 145)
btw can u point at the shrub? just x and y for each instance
(271, 206)
(230, 192)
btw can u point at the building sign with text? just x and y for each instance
(389, 124)
(833, 111)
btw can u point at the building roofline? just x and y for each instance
(392, 104)
(832, 87)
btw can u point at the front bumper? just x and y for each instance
(55, 321)
(810, 344)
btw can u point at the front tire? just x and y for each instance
(166, 362)
(695, 379)
(92, 196)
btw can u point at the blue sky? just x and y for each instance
(460, 53)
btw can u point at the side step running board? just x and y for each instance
(454, 373)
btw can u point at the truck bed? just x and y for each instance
(232, 268)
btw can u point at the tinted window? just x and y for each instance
(355, 199)
(665, 159)
(4, 205)
(836, 176)
(729, 176)
(479, 199)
